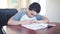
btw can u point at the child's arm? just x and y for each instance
(45, 20)
(14, 22)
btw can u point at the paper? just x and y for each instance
(36, 26)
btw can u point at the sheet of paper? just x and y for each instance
(35, 26)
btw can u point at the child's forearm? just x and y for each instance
(42, 21)
(14, 22)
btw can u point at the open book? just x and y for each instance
(36, 26)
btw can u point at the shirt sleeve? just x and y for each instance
(40, 17)
(18, 15)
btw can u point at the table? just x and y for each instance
(22, 30)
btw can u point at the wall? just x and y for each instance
(3, 4)
(53, 10)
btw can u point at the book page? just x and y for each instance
(36, 26)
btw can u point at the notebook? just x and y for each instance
(36, 26)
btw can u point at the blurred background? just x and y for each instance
(49, 8)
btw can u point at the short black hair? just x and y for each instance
(35, 6)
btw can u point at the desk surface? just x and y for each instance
(22, 30)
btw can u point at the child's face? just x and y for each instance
(31, 13)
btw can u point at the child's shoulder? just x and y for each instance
(39, 17)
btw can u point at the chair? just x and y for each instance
(5, 14)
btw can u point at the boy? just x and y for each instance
(31, 15)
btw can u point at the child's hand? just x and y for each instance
(33, 21)
(40, 22)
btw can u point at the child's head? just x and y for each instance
(33, 9)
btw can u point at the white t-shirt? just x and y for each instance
(25, 17)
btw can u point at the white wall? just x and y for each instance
(3, 4)
(43, 7)
(53, 10)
